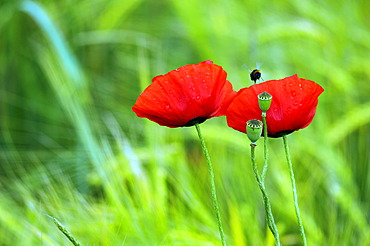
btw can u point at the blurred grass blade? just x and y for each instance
(66, 78)
(346, 124)
(52, 33)
(125, 146)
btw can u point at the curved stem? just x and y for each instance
(294, 189)
(213, 186)
(265, 150)
(266, 201)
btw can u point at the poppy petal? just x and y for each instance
(196, 91)
(293, 106)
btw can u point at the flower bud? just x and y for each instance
(254, 130)
(264, 101)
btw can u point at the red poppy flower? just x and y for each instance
(188, 95)
(293, 105)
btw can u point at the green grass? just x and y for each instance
(71, 147)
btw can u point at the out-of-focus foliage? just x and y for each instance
(71, 147)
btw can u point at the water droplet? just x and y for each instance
(198, 97)
(294, 93)
(167, 107)
(170, 91)
(300, 105)
(275, 109)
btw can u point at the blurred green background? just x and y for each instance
(71, 147)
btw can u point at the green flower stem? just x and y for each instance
(294, 189)
(213, 186)
(266, 201)
(265, 150)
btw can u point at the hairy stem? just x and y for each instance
(213, 186)
(266, 201)
(265, 150)
(294, 190)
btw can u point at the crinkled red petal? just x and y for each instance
(293, 106)
(191, 91)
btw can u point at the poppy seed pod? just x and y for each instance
(264, 102)
(254, 130)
